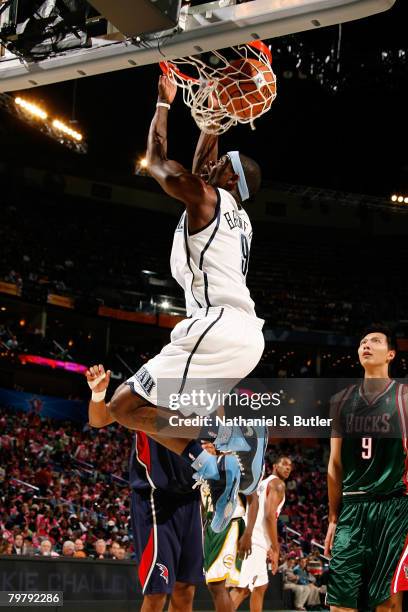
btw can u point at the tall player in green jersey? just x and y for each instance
(368, 487)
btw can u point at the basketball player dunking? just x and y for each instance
(253, 579)
(368, 487)
(222, 336)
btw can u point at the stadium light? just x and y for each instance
(36, 117)
(141, 166)
(401, 199)
(31, 108)
(165, 304)
(62, 127)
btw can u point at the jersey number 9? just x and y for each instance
(367, 445)
(244, 254)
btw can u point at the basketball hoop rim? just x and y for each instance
(168, 67)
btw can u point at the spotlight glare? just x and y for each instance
(143, 162)
(31, 108)
(400, 199)
(405, 200)
(394, 198)
(62, 127)
(165, 304)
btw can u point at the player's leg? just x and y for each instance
(181, 600)
(393, 604)
(187, 528)
(154, 603)
(387, 541)
(220, 596)
(348, 563)
(220, 343)
(156, 548)
(220, 562)
(134, 412)
(238, 595)
(257, 598)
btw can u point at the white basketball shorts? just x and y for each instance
(216, 347)
(254, 570)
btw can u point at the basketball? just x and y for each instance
(248, 90)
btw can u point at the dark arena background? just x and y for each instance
(85, 237)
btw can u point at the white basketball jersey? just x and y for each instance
(211, 264)
(260, 534)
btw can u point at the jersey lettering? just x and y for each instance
(234, 220)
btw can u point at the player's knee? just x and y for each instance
(154, 603)
(183, 596)
(391, 605)
(216, 588)
(261, 589)
(242, 593)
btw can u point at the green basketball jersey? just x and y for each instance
(374, 446)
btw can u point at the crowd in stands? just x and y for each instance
(305, 509)
(306, 578)
(310, 280)
(63, 489)
(64, 484)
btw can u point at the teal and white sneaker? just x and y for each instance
(248, 444)
(230, 439)
(222, 474)
(252, 463)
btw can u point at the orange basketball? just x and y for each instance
(249, 89)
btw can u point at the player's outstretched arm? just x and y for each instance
(276, 493)
(334, 484)
(98, 411)
(200, 199)
(206, 154)
(245, 542)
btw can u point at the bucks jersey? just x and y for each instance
(211, 264)
(374, 466)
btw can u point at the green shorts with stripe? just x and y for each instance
(220, 552)
(370, 553)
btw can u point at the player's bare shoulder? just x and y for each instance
(277, 485)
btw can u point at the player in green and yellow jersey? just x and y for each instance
(368, 486)
(225, 551)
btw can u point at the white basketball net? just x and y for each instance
(207, 87)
